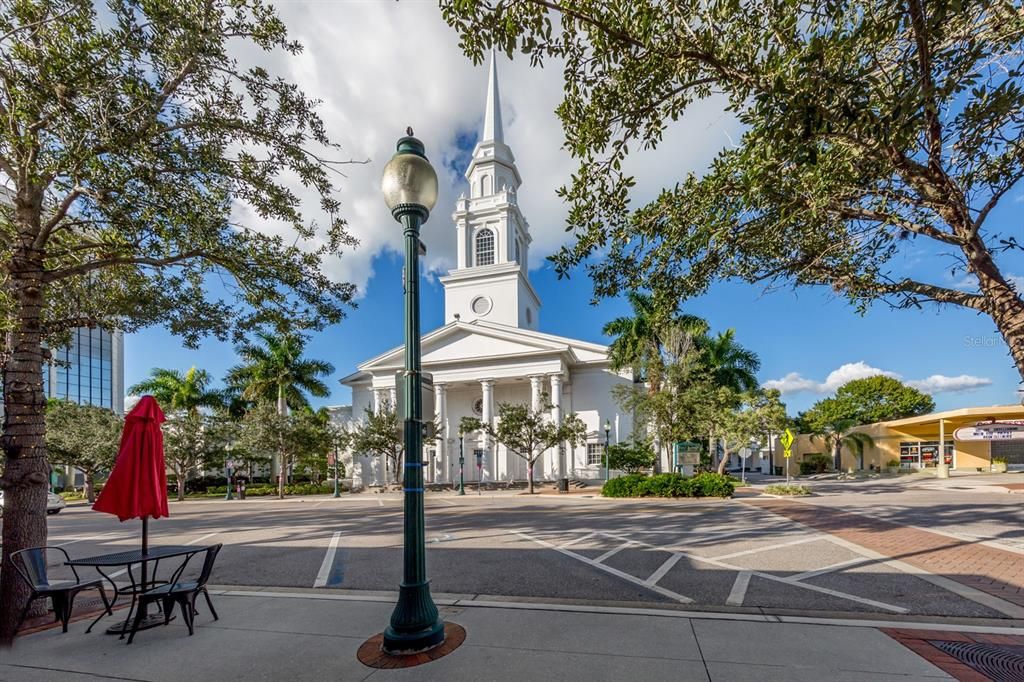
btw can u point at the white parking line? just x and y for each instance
(739, 589)
(325, 567)
(608, 569)
(774, 545)
(663, 569)
(830, 568)
(577, 540)
(612, 552)
(775, 578)
(106, 536)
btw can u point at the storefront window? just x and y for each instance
(918, 454)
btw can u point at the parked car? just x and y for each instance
(54, 503)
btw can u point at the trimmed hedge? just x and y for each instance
(707, 484)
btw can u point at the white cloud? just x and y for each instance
(379, 67)
(794, 382)
(938, 383)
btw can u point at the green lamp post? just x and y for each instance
(410, 191)
(462, 463)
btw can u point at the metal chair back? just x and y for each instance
(30, 564)
(211, 556)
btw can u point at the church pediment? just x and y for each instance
(462, 342)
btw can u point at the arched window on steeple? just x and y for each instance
(484, 247)
(485, 186)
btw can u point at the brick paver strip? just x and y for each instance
(983, 567)
(919, 641)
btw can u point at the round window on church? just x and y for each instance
(478, 406)
(481, 305)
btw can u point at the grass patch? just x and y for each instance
(791, 490)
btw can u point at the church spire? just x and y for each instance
(492, 117)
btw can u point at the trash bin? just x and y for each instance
(563, 485)
(778, 471)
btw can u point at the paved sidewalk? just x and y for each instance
(979, 566)
(314, 635)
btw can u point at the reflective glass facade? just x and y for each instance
(89, 370)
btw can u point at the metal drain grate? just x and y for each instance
(1003, 663)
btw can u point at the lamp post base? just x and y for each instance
(415, 625)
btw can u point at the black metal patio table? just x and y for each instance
(131, 558)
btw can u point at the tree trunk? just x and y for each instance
(837, 455)
(180, 478)
(90, 488)
(1002, 302)
(529, 476)
(722, 462)
(282, 409)
(26, 475)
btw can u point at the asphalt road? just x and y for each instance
(706, 554)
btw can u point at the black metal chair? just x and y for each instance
(182, 593)
(31, 566)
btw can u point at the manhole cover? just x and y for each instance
(1004, 663)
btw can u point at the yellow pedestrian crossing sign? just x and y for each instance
(787, 443)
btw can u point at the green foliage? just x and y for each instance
(999, 460)
(791, 490)
(273, 370)
(707, 484)
(176, 391)
(869, 131)
(265, 490)
(881, 398)
(194, 441)
(381, 434)
(893, 463)
(83, 436)
(302, 437)
(528, 433)
(815, 463)
(632, 456)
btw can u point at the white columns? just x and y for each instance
(487, 387)
(440, 438)
(536, 389)
(378, 399)
(556, 417)
(393, 397)
(941, 470)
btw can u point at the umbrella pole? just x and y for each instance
(145, 564)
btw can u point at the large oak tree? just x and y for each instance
(130, 135)
(869, 129)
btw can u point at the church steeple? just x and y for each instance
(491, 281)
(492, 117)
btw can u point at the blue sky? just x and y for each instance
(370, 63)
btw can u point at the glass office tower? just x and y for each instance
(89, 370)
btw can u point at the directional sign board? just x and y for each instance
(687, 452)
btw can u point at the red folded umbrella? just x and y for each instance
(137, 487)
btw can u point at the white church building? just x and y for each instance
(491, 348)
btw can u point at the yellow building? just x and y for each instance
(914, 441)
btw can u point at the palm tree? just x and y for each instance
(836, 435)
(274, 371)
(731, 365)
(640, 340)
(176, 391)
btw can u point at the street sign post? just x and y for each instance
(787, 444)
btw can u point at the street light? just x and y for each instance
(462, 463)
(607, 438)
(227, 467)
(410, 191)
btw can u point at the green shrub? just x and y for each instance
(895, 463)
(624, 486)
(708, 484)
(999, 460)
(784, 489)
(815, 463)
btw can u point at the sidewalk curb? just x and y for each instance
(961, 624)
